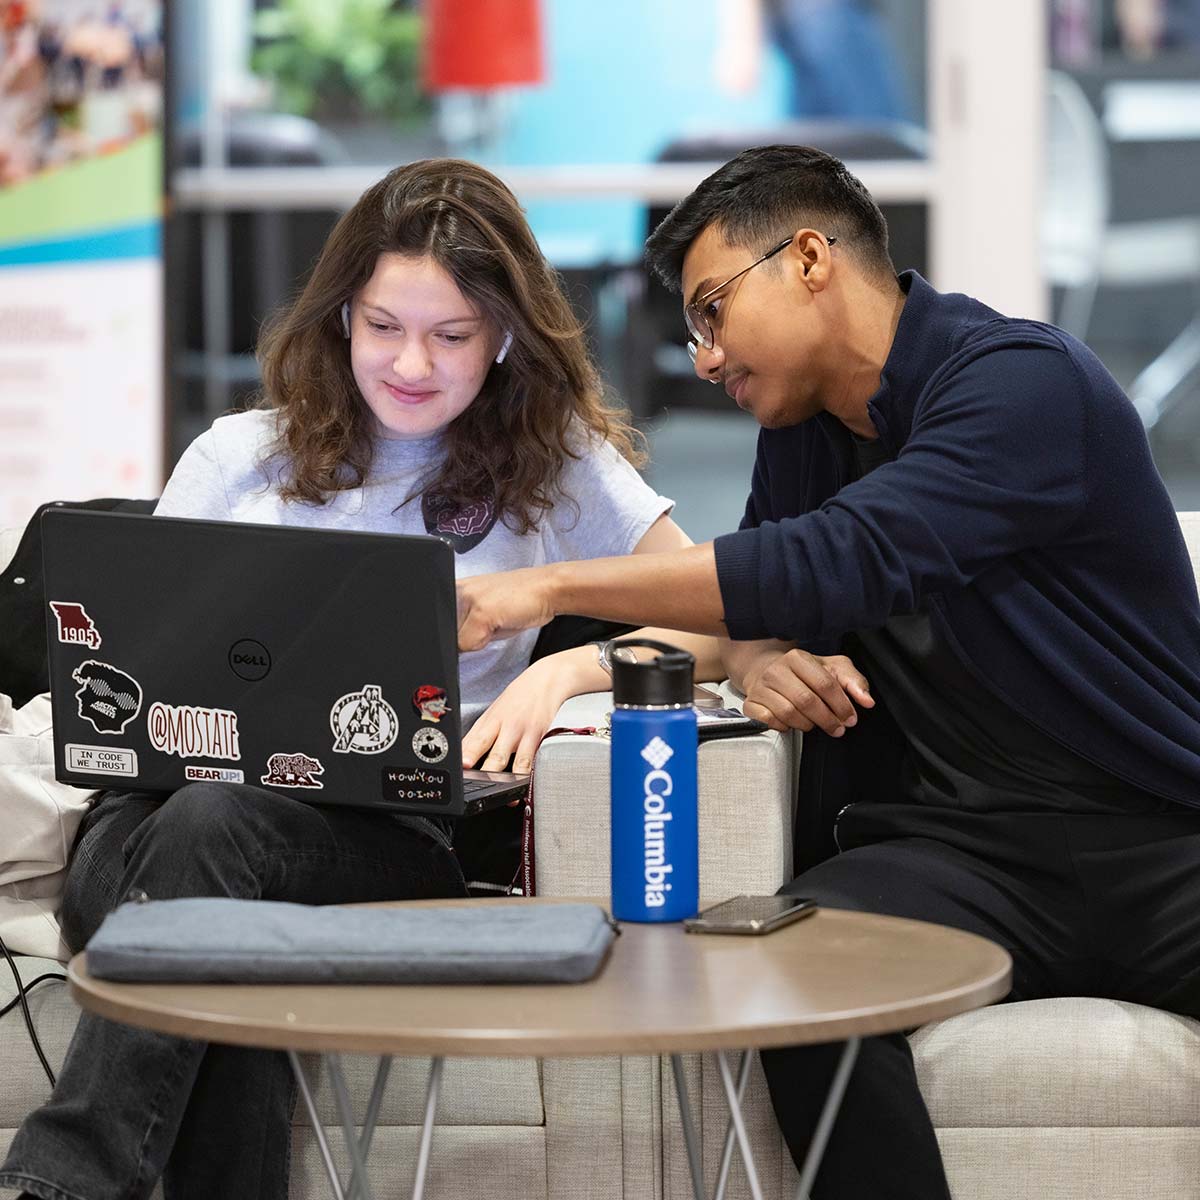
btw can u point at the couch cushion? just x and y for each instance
(1071, 1164)
(474, 1091)
(1063, 1063)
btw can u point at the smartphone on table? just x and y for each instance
(751, 914)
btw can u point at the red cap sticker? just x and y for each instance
(429, 702)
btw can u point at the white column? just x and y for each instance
(987, 83)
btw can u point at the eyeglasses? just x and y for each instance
(699, 330)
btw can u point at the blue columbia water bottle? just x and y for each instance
(655, 850)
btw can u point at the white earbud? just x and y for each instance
(505, 347)
(346, 318)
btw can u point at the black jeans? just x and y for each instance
(214, 1121)
(1087, 905)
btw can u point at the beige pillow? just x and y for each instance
(39, 818)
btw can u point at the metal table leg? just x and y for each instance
(833, 1101)
(735, 1130)
(358, 1158)
(431, 1101)
(358, 1147)
(689, 1129)
(314, 1118)
(727, 1151)
(734, 1100)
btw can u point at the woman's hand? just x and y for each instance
(518, 718)
(797, 690)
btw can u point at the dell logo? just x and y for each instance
(249, 660)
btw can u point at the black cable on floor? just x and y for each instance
(22, 988)
(27, 989)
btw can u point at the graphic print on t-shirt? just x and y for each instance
(465, 525)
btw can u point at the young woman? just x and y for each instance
(430, 378)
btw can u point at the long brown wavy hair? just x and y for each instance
(511, 443)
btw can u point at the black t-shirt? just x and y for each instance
(966, 748)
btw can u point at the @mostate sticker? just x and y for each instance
(293, 770)
(363, 722)
(108, 699)
(75, 627)
(198, 774)
(429, 702)
(101, 760)
(193, 732)
(430, 745)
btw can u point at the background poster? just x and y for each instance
(81, 393)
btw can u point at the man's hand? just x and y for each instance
(793, 689)
(497, 606)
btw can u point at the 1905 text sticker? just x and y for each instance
(75, 627)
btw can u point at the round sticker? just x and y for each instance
(363, 722)
(430, 745)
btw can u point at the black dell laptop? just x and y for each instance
(319, 664)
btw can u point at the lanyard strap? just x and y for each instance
(525, 880)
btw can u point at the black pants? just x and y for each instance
(1087, 905)
(131, 1105)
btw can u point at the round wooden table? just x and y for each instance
(834, 976)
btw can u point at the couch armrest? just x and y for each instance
(746, 798)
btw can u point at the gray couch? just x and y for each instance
(1073, 1099)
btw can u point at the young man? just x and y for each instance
(964, 506)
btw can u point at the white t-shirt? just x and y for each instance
(605, 509)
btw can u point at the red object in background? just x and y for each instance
(482, 43)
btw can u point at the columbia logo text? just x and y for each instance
(657, 788)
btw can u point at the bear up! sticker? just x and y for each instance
(75, 627)
(199, 774)
(293, 770)
(363, 722)
(109, 699)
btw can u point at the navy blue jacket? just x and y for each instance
(1022, 510)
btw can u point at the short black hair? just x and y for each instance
(764, 194)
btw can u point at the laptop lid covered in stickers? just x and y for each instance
(319, 664)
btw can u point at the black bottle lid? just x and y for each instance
(664, 680)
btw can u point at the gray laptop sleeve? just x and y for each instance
(263, 941)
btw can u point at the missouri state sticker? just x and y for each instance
(75, 627)
(193, 732)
